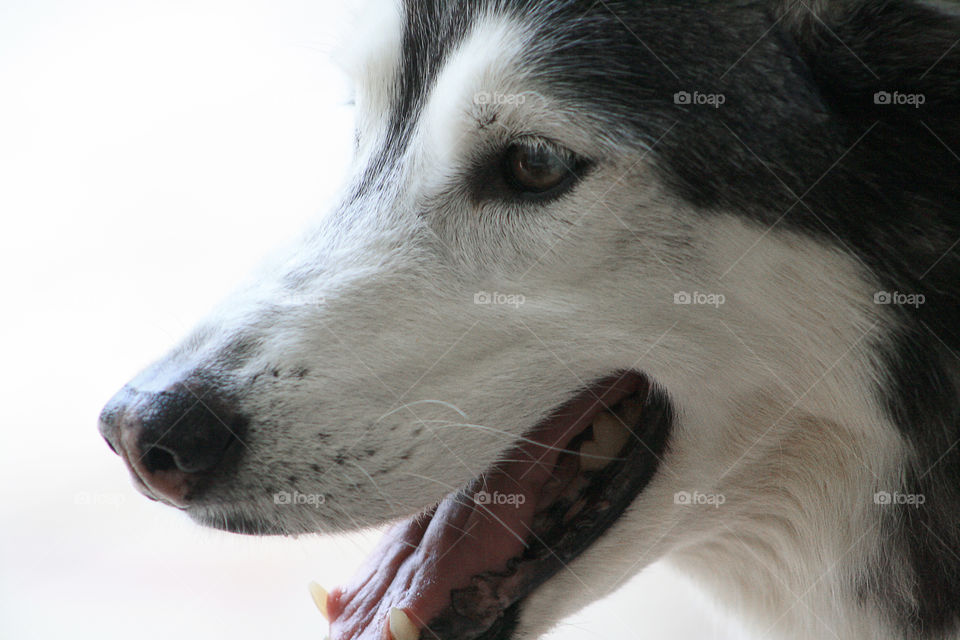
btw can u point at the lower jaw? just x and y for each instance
(459, 602)
(488, 605)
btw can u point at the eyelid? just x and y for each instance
(576, 162)
(537, 142)
(568, 157)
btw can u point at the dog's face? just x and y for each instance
(559, 279)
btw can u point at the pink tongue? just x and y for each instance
(421, 560)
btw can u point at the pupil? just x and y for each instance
(540, 165)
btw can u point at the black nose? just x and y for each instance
(170, 439)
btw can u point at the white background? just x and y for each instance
(150, 154)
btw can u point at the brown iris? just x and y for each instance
(536, 169)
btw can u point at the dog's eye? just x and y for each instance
(537, 170)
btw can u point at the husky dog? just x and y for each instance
(613, 281)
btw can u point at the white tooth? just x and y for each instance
(610, 433)
(401, 627)
(320, 599)
(609, 436)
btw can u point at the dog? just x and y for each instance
(612, 282)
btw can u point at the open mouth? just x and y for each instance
(461, 570)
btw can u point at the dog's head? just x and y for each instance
(603, 288)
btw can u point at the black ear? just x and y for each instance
(891, 67)
(884, 60)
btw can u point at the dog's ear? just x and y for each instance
(882, 59)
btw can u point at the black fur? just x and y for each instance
(800, 143)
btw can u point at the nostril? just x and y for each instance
(156, 459)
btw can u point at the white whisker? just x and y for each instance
(407, 405)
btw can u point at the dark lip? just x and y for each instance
(554, 543)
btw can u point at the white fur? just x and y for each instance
(371, 57)
(773, 387)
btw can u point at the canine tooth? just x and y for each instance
(609, 436)
(401, 627)
(319, 595)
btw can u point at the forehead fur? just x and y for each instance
(798, 85)
(619, 65)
